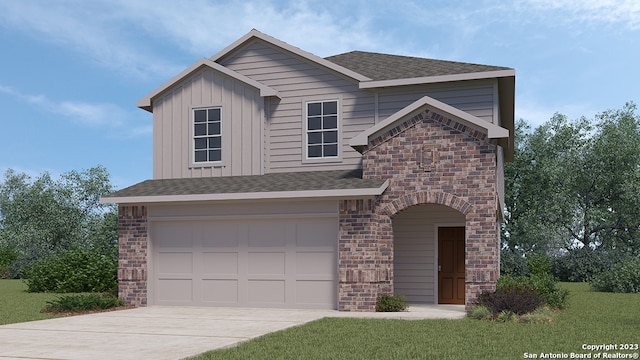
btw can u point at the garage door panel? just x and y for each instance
(266, 263)
(220, 234)
(315, 292)
(174, 234)
(175, 290)
(266, 291)
(267, 234)
(316, 233)
(175, 263)
(220, 291)
(315, 263)
(220, 263)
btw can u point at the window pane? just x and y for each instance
(201, 143)
(314, 124)
(200, 129)
(330, 150)
(330, 108)
(215, 155)
(330, 137)
(201, 156)
(330, 122)
(315, 151)
(214, 128)
(314, 109)
(314, 138)
(200, 115)
(214, 115)
(215, 142)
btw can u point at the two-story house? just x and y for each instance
(282, 179)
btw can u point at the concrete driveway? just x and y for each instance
(159, 332)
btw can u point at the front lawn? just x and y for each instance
(592, 318)
(17, 305)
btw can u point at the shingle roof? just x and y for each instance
(278, 182)
(390, 67)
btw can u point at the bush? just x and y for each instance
(83, 302)
(480, 312)
(581, 265)
(623, 278)
(513, 263)
(7, 256)
(517, 300)
(538, 264)
(544, 286)
(78, 270)
(390, 303)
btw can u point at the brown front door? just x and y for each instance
(451, 265)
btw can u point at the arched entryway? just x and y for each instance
(428, 241)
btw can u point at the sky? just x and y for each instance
(73, 70)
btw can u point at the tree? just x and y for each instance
(575, 184)
(45, 216)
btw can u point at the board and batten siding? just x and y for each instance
(415, 250)
(299, 80)
(242, 127)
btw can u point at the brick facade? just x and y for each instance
(429, 159)
(133, 228)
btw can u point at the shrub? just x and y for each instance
(390, 303)
(622, 278)
(7, 256)
(544, 286)
(538, 264)
(581, 265)
(480, 312)
(83, 302)
(542, 315)
(77, 270)
(517, 300)
(513, 263)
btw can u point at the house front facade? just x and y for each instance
(282, 179)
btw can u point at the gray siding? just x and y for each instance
(299, 80)
(415, 250)
(475, 97)
(242, 127)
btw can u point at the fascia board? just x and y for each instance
(279, 43)
(493, 131)
(437, 79)
(307, 194)
(145, 102)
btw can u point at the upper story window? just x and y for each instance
(207, 135)
(322, 129)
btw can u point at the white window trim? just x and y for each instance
(192, 142)
(305, 145)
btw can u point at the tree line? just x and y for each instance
(573, 193)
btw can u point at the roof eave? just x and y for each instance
(146, 102)
(437, 79)
(274, 195)
(279, 43)
(493, 131)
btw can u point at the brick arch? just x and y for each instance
(426, 197)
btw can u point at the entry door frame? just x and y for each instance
(436, 295)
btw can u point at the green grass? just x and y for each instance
(591, 318)
(17, 305)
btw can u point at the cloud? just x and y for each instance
(96, 115)
(591, 12)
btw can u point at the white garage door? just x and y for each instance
(289, 263)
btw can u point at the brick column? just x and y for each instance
(132, 264)
(365, 261)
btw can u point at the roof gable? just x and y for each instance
(255, 34)
(146, 102)
(492, 130)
